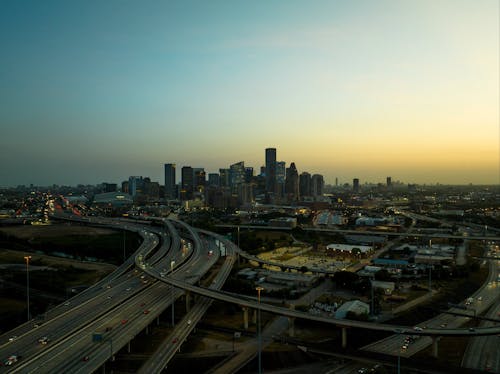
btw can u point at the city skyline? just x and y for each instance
(95, 92)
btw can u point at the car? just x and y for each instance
(128, 289)
(444, 324)
(404, 347)
(11, 360)
(124, 321)
(85, 358)
(12, 338)
(471, 329)
(66, 303)
(417, 328)
(189, 322)
(108, 297)
(43, 340)
(362, 371)
(146, 311)
(175, 340)
(480, 298)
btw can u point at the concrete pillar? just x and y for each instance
(245, 317)
(435, 340)
(291, 327)
(147, 329)
(188, 301)
(158, 321)
(254, 316)
(128, 347)
(344, 337)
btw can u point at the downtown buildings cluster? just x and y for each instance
(232, 187)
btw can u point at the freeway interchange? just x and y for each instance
(88, 330)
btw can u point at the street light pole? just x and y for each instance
(28, 258)
(172, 263)
(258, 328)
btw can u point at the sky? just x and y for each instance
(96, 91)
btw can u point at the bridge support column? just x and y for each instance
(245, 317)
(128, 347)
(158, 321)
(147, 329)
(291, 327)
(188, 301)
(344, 337)
(435, 340)
(254, 316)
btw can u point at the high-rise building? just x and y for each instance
(187, 182)
(280, 178)
(389, 182)
(292, 183)
(200, 179)
(355, 185)
(170, 190)
(248, 174)
(317, 185)
(214, 179)
(305, 184)
(224, 177)
(236, 175)
(271, 170)
(135, 185)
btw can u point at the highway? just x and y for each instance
(488, 294)
(166, 351)
(126, 302)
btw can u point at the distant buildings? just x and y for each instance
(355, 185)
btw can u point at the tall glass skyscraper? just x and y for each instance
(271, 170)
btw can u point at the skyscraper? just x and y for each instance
(355, 185)
(187, 182)
(389, 182)
(305, 184)
(214, 179)
(317, 185)
(199, 179)
(135, 185)
(170, 181)
(292, 183)
(236, 175)
(280, 178)
(271, 170)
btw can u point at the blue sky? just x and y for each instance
(94, 91)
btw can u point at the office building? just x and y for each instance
(187, 183)
(305, 184)
(135, 185)
(317, 185)
(292, 183)
(280, 178)
(271, 170)
(214, 179)
(170, 189)
(355, 185)
(200, 179)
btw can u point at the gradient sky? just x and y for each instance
(96, 91)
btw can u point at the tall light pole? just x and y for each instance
(172, 263)
(258, 328)
(28, 258)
